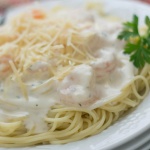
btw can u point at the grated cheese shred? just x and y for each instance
(56, 41)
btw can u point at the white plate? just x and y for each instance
(141, 142)
(128, 127)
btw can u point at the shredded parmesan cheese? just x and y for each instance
(54, 40)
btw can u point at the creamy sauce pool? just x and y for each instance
(87, 85)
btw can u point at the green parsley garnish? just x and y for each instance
(137, 46)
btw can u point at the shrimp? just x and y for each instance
(38, 71)
(5, 68)
(105, 64)
(77, 89)
(38, 67)
(6, 35)
(104, 34)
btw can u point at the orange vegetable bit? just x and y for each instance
(38, 14)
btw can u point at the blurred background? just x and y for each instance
(4, 4)
(148, 1)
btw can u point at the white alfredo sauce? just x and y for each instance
(87, 85)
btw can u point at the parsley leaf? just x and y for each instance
(137, 46)
(130, 29)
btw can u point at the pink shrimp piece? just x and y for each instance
(38, 67)
(6, 35)
(5, 68)
(38, 71)
(104, 65)
(77, 89)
